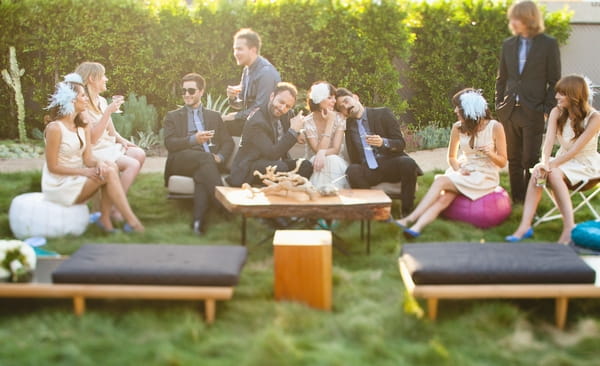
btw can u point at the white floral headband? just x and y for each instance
(64, 94)
(473, 104)
(319, 92)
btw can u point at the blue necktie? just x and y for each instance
(200, 127)
(523, 50)
(369, 155)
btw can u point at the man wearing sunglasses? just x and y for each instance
(198, 144)
(259, 78)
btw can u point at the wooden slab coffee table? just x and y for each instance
(350, 204)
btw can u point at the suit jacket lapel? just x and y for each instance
(182, 128)
(514, 55)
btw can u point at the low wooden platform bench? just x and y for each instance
(436, 271)
(137, 271)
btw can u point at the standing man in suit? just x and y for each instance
(529, 69)
(259, 78)
(189, 133)
(268, 136)
(376, 148)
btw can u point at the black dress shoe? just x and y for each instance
(197, 227)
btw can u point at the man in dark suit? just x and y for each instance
(199, 146)
(529, 69)
(268, 135)
(376, 148)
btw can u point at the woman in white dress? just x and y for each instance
(477, 171)
(107, 144)
(324, 130)
(71, 175)
(576, 126)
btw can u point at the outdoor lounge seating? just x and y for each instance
(436, 271)
(138, 271)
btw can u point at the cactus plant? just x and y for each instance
(13, 79)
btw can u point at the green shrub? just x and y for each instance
(457, 46)
(433, 136)
(138, 117)
(365, 45)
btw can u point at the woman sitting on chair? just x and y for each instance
(71, 175)
(475, 173)
(576, 125)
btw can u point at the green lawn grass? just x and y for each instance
(371, 323)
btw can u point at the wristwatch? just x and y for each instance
(386, 143)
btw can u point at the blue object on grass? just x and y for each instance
(587, 235)
(35, 241)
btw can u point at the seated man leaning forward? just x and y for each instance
(268, 135)
(199, 146)
(376, 148)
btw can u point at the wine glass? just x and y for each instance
(238, 90)
(210, 142)
(118, 98)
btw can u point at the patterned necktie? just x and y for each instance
(368, 149)
(200, 127)
(278, 130)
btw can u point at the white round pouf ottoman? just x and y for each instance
(31, 215)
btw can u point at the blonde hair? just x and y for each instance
(529, 14)
(93, 70)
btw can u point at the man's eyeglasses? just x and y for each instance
(190, 91)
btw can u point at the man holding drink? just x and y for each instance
(199, 146)
(259, 79)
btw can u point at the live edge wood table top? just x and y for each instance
(349, 204)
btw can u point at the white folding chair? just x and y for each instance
(590, 186)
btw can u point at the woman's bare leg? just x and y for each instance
(556, 180)
(433, 194)
(114, 192)
(444, 200)
(532, 200)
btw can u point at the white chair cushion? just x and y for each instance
(31, 215)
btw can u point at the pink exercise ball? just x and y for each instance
(487, 211)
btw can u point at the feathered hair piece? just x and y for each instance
(319, 92)
(65, 94)
(591, 89)
(473, 104)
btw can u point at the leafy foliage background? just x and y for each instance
(371, 47)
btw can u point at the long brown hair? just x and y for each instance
(89, 70)
(576, 89)
(529, 14)
(468, 125)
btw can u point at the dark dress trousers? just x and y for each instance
(260, 148)
(191, 160)
(394, 165)
(522, 99)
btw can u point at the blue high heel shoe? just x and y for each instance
(127, 228)
(516, 239)
(410, 234)
(103, 228)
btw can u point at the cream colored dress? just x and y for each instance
(335, 165)
(584, 165)
(106, 147)
(64, 189)
(485, 175)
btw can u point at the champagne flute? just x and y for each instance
(210, 142)
(118, 98)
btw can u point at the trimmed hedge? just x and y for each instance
(361, 44)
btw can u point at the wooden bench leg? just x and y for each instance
(432, 306)
(78, 305)
(562, 305)
(209, 310)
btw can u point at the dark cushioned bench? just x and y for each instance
(496, 270)
(138, 271)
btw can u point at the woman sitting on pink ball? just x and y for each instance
(475, 174)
